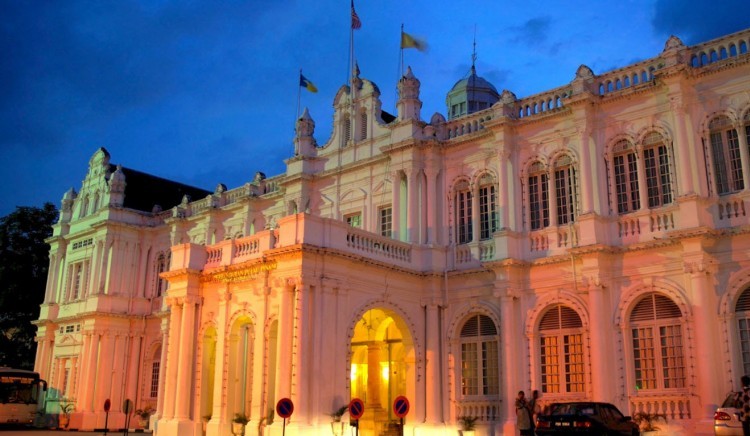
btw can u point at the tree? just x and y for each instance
(24, 259)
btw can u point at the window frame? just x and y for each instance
(479, 368)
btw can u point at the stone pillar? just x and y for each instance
(433, 383)
(552, 203)
(682, 149)
(373, 375)
(170, 386)
(73, 377)
(601, 358)
(118, 364)
(704, 303)
(220, 388)
(162, 368)
(396, 224)
(509, 361)
(185, 359)
(412, 211)
(503, 193)
(431, 205)
(642, 186)
(88, 393)
(475, 214)
(104, 372)
(587, 174)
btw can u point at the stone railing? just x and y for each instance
(486, 410)
(364, 242)
(730, 211)
(640, 74)
(674, 407)
(468, 124)
(542, 103)
(730, 46)
(644, 225)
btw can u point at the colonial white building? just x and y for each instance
(591, 241)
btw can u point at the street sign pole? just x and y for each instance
(107, 405)
(284, 408)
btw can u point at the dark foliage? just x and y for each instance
(24, 259)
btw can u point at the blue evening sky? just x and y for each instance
(205, 92)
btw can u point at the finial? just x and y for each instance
(474, 53)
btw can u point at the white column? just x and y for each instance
(552, 203)
(433, 381)
(509, 359)
(396, 205)
(431, 207)
(642, 184)
(220, 387)
(601, 359)
(184, 370)
(503, 192)
(162, 368)
(588, 177)
(704, 302)
(412, 212)
(88, 393)
(170, 386)
(682, 150)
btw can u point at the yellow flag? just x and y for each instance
(408, 41)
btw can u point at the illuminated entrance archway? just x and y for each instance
(382, 367)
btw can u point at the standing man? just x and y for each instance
(743, 404)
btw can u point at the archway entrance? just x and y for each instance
(382, 367)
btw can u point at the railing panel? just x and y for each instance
(487, 411)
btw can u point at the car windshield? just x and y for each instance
(730, 401)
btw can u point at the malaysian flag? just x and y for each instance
(356, 24)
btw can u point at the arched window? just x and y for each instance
(487, 207)
(153, 390)
(656, 334)
(479, 357)
(464, 231)
(561, 351)
(625, 177)
(656, 160)
(565, 189)
(742, 313)
(538, 197)
(725, 151)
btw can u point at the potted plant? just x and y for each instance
(468, 424)
(239, 422)
(143, 416)
(66, 409)
(646, 421)
(337, 427)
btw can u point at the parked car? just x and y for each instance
(727, 418)
(585, 418)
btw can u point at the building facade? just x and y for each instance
(590, 242)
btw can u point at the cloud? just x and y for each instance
(533, 31)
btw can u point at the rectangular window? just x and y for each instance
(626, 183)
(490, 369)
(354, 220)
(538, 201)
(673, 366)
(550, 364)
(744, 331)
(658, 179)
(573, 354)
(154, 391)
(565, 195)
(644, 360)
(469, 370)
(720, 165)
(385, 221)
(738, 184)
(463, 200)
(487, 212)
(77, 280)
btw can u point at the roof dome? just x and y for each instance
(471, 94)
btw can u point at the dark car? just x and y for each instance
(585, 418)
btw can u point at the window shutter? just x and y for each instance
(655, 306)
(560, 317)
(743, 303)
(479, 325)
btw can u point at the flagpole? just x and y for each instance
(299, 94)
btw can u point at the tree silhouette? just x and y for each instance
(24, 259)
